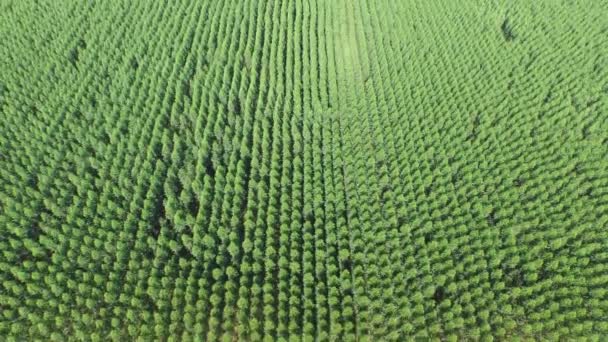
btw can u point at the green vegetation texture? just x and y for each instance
(344, 170)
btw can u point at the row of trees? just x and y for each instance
(276, 170)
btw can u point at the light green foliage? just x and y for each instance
(344, 170)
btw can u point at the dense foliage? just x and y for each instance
(318, 170)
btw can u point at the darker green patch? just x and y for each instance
(507, 30)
